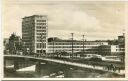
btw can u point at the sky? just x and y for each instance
(95, 20)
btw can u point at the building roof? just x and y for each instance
(61, 40)
(35, 16)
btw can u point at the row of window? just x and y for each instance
(40, 33)
(41, 40)
(40, 45)
(40, 30)
(27, 24)
(105, 51)
(26, 30)
(41, 23)
(78, 43)
(41, 37)
(39, 51)
(27, 43)
(40, 20)
(74, 50)
(26, 37)
(27, 34)
(40, 27)
(120, 50)
(73, 47)
(74, 44)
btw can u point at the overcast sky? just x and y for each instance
(96, 20)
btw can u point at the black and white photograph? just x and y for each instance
(63, 39)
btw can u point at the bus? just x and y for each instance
(89, 56)
(111, 58)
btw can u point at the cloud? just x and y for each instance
(68, 19)
(95, 19)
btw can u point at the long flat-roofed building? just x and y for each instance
(87, 47)
(34, 33)
(66, 45)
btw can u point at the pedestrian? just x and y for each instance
(93, 66)
(108, 67)
(114, 68)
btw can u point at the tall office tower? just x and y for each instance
(34, 33)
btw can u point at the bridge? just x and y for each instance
(21, 61)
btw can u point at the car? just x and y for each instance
(95, 59)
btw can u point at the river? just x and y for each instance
(61, 71)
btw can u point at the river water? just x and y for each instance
(60, 71)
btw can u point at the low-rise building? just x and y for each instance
(110, 50)
(88, 47)
(104, 48)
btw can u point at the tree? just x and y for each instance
(15, 44)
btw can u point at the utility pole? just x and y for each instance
(72, 42)
(42, 42)
(83, 43)
(53, 45)
(123, 32)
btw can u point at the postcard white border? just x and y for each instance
(112, 79)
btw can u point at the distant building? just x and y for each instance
(34, 33)
(121, 39)
(115, 47)
(110, 50)
(121, 43)
(119, 48)
(6, 43)
(90, 47)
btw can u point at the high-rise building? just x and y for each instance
(34, 33)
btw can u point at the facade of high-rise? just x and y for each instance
(34, 33)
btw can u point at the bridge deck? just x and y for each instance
(68, 63)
